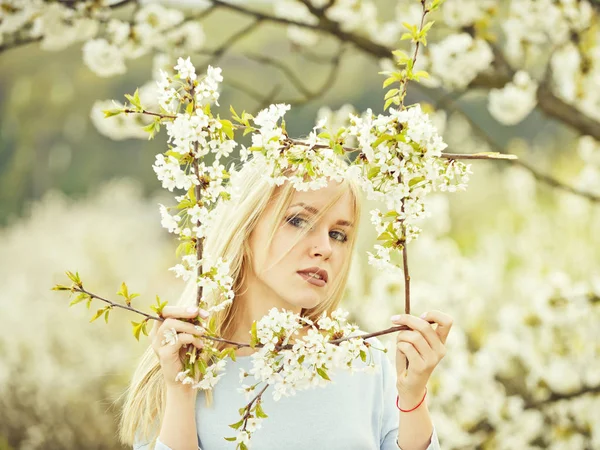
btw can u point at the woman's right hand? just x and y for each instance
(171, 355)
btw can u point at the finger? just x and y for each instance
(424, 328)
(414, 359)
(187, 339)
(185, 312)
(180, 327)
(155, 326)
(444, 323)
(420, 344)
(182, 339)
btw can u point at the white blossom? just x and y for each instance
(511, 104)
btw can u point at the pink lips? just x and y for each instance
(311, 278)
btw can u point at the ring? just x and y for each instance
(170, 337)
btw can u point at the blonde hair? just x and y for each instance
(228, 237)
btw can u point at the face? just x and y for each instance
(326, 246)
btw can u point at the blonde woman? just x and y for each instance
(287, 249)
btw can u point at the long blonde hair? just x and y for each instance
(228, 237)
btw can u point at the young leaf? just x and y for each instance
(232, 439)
(137, 328)
(111, 112)
(237, 424)
(254, 339)
(323, 373)
(259, 411)
(99, 313)
(81, 297)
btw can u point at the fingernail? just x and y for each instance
(192, 309)
(199, 329)
(395, 318)
(422, 316)
(204, 313)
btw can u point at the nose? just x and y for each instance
(320, 244)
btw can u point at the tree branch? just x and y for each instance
(446, 102)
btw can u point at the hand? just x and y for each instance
(176, 334)
(423, 348)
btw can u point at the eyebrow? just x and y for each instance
(315, 211)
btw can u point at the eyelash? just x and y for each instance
(290, 219)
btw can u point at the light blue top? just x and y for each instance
(355, 411)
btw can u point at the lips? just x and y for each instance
(321, 272)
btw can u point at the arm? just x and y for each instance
(178, 428)
(415, 428)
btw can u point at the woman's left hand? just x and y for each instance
(424, 348)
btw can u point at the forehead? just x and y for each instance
(315, 201)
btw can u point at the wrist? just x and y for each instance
(179, 391)
(409, 400)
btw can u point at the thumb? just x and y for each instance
(401, 361)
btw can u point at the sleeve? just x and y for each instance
(390, 417)
(159, 446)
(146, 446)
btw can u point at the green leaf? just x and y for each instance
(232, 439)
(135, 99)
(427, 27)
(139, 327)
(373, 172)
(237, 424)
(259, 411)
(400, 54)
(60, 287)
(111, 112)
(123, 291)
(74, 277)
(81, 297)
(385, 236)
(99, 313)
(420, 74)
(382, 138)
(106, 315)
(159, 306)
(363, 355)
(227, 128)
(189, 108)
(323, 373)
(388, 103)
(388, 81)
(391, 93)
(243, 446)
(254, 335)
(415, 181)
(324, 135)
(406, 36)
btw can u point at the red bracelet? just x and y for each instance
(409, 410)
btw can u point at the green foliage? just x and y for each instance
(159, 306)
(323, 373)
(135, 100)
(123, 292)
(140, 327)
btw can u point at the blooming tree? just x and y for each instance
(405, 163)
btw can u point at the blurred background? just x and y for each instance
(515, 259)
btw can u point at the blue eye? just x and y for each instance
(292, 220)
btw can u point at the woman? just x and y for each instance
(277, 241)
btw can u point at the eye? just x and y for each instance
(294, 221)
